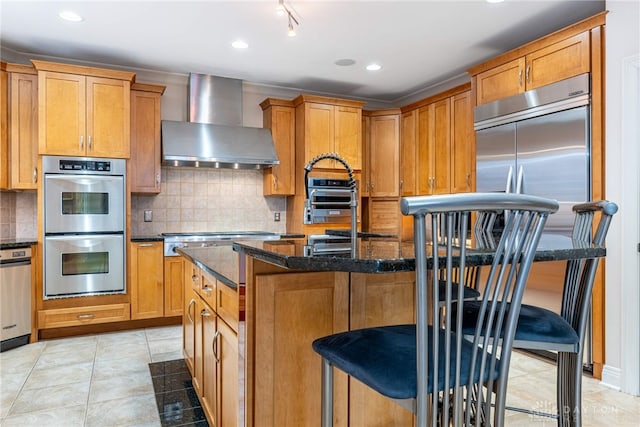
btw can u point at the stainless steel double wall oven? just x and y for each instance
(84, 226)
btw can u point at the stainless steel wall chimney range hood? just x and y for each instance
(214, 136)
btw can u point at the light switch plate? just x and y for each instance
(148, 216)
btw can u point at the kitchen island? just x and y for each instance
(291, 299)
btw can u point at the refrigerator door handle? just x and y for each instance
(509, 180)
(520, 183)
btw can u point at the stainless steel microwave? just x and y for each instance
(329, 201)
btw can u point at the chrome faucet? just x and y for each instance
(353, 204)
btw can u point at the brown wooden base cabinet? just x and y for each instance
(286, 311)
(211, 348)
(155, 283)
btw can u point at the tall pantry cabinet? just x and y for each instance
(437, 147)
(380, 187)
(23, 127)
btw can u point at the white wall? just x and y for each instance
(622, 352)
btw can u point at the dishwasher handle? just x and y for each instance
(4, 264)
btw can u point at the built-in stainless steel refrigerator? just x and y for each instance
(538, 142)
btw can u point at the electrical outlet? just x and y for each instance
(276, 216)
(148, 216)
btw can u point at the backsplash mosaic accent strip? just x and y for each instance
(208, 200)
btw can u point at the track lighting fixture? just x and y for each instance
(292, 31)
(282, 9)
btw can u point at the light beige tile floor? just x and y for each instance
(96, 380)
(104, 380)
(532, 386)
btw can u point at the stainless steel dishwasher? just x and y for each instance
(15, 297)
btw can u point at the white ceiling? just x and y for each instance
(418, 43)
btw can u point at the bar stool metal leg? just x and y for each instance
(327, 394)
(569, 389)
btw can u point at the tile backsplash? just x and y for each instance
(208, 200)
(18, 215)
(191, 200)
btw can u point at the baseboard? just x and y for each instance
(611, 377)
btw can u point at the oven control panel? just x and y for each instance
(85, 165)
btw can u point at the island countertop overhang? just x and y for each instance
(389, 255)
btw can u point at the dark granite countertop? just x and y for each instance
(385, 255)
(219, 261)
(149, 238)
(17, 243)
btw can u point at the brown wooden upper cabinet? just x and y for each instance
(557, 61)
(437, 144)
(4, 126)
(381, 175)
(83, 111)
(144, 170)
(279, 116)
(328, 125)
(23, 127)
(463, 158)
(408, 153)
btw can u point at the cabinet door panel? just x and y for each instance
(367, 174)
(384, 155)
(144, 171)
(379, 301)
(559, 61)
(384, 216)
(147, 296)
(61, 100)
(348, 136)
(4, 129)
(423, 131)
(408, 149)
(173, 288)
(24, 131)
(291, 311)
(319, 122)
(227, 375)
(108, 117)
(280, 179)
(210, 389)
(440, 147)
(501, 82)
(462, 156)
(188, 322)
(201, 312)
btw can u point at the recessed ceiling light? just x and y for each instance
(70, 16)
(495, 1)
(239, 44)
(345, 62)
(374, 67)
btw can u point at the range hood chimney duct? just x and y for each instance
(214, 136)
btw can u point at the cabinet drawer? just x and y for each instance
(208, 290)
(227, 305)
(63, 317)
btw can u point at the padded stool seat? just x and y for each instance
(384, 358)
(535, 324)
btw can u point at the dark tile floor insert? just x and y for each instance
(177, 402)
